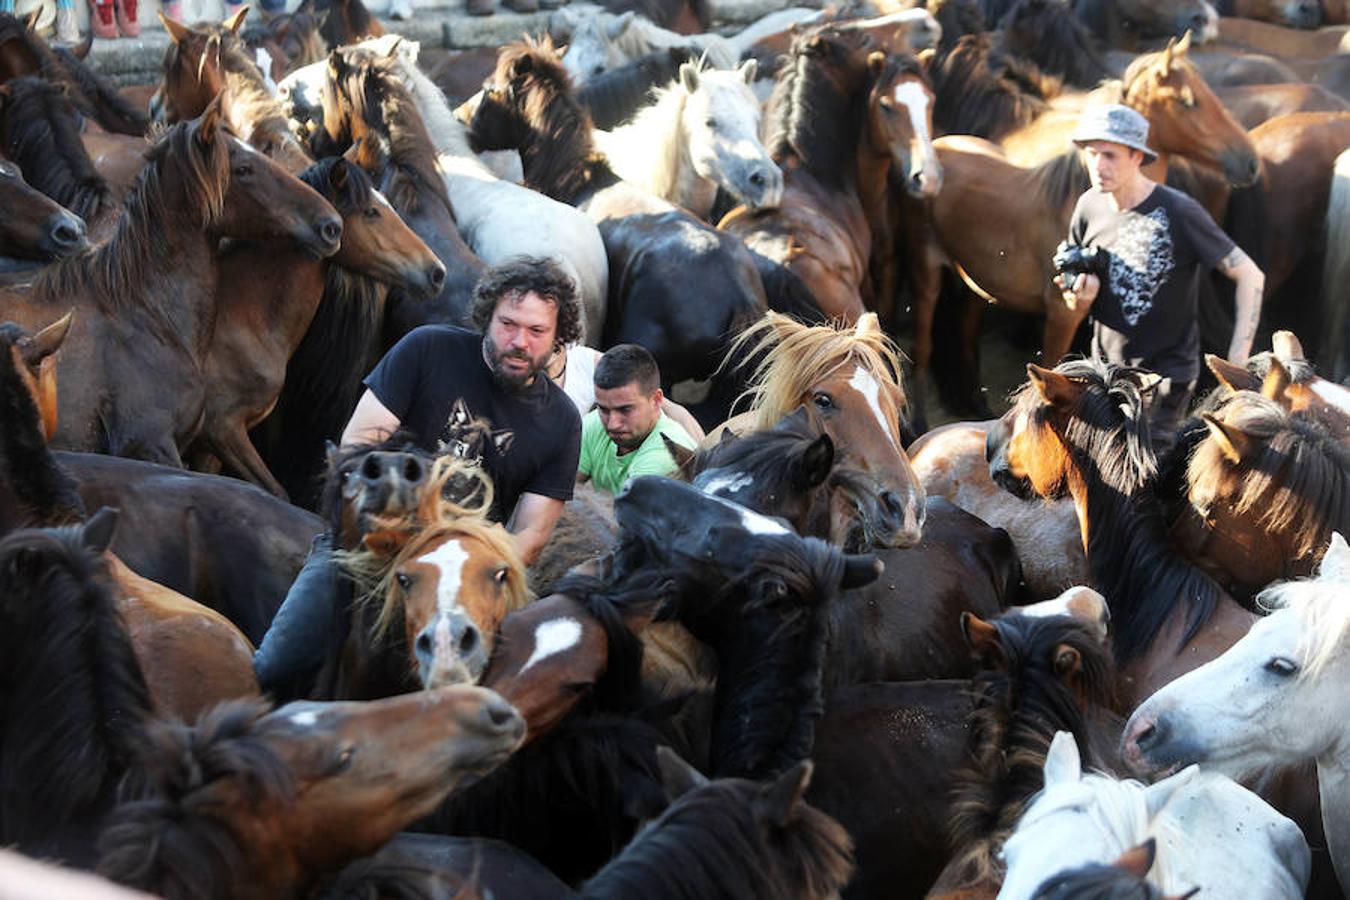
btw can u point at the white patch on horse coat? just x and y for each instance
(728, 483)
(305, 718)
(863, 382)
(913, 97)
(449, 558)
(264, 60)
(754, 522)
(553, 637)
(1332, 393)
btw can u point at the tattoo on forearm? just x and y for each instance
(1234, 259)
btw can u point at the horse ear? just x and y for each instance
(689, 77)
(338, 173)
(1062, 762)
(867, 323)
(97, 533)
(1184, 44)
(81, 50)
(927, 57)
(860, 570)
(386, 542)
(1233, 443)
(727, 436)
(815, 463)
(875, 60)
(678, 777)
(177, 31)
(1287, 347)
(236, 21)
(332, 452)
(1277, 380)
(1068, 661)
(1336, 561)
(981, 636)
(619, 25)
(678, 452)
(1054, 388)
(748, 70)
(30, 21)
(209, 123)
(1157, 796)
(1166, 68)
(1138, 860)
(1231, 375)
(783, 798)
(521, 66)
(47, 341)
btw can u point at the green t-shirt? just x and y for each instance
(608, 471)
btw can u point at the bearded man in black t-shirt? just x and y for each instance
(1153, 243)
(483, 396)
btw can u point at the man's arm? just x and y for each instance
(684, 418)
(1251, 285)
(370, 423)
(532, 524)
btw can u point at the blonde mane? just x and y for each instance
(797, 356)
(1323, 606)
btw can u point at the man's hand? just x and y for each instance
(1081, 292)
(532, 524)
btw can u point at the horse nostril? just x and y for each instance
(370, 469)
(468, 641)
(423, 646)
(65, 235)
(436, 275)
(757, 179)
(413, 470)
(500, 712)
(1199, 21)
(332, 232)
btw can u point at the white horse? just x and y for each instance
(601, 40)
(1211, 832)
(701, 132)
(1276, 698)
(498, 219)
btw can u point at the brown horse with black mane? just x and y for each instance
(146, 300)
(34, 227)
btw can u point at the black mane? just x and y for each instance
(41, 136)
(613, 97)
(71, 693)
(983, 90)
(1047, 33)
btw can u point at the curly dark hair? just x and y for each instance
(530, 275)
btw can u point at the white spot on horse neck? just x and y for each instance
(1332, 393)
(730, 483)
(751, 521)
(304, 719)
(553, 637)
(449, 558)
(863, 382)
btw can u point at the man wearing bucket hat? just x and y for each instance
(1151, 243)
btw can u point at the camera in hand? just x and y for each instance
(1074, 260)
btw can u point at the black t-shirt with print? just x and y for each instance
(1145, 313)
(438, 384)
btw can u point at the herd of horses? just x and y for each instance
(838, 653)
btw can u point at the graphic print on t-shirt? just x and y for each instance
(1141, 260)
(466, 436)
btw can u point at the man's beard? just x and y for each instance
(507, 379)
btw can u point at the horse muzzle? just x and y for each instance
(66, 235)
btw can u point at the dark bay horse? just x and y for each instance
(252, 802)
(35, 227)
(146, 300)
(1079, 430)
(281, 287)
(842, 115)
(657, 253)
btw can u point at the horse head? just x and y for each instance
(721, 117)
(35, 226)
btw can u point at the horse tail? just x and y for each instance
(1335, 350)
(787, 293)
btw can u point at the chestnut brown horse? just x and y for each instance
(255, 803)
(272, 293)
(842, 115)
(998, 223)
(146, 301)
(1080, 430)
(35, 227)
(1285, 376)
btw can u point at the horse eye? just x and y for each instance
(404, 580)
(1281, 666)
(242, 171)
(6, 172)
(344, 760)
(823, 400)
(711, 123)
(499, 576)
(373, 212)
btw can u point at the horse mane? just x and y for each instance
(649, 127)
(796, 356)
(1047, 33)
(71, 688)
(1300, 370)
(1061, 179)
(380, 879)
(340, 30)
(572, 165)
(762, 454)
(46, 492)
(611, 97)
(983, 90)
(246, 92)
(817, 105)
(1018, 706)
(43, 139)
(957, 19)
(171, 837)
(1298, 485)
(1133, 562)
(1320, 602)
(356, 190)
(712, 842)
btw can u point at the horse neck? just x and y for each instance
(34, 489)
(1333, 785)
(1133, 563)
(410, 148)
(278, 286)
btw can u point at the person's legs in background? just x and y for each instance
(1168, 407)
(67, 26)
(101, 18)
(126, 18)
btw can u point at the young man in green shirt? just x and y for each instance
(621, 437)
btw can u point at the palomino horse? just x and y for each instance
(35, 227)
(1270, 700)
(841, 117)
(281, 288)
(851, 379)
(658, 254)
(1080, 430)
(998, 223)
(250, 800)
(1212, 833)
(146, 300)
(701, 132)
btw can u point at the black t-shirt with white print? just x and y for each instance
(1146, 311)
(437, 383)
